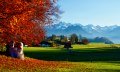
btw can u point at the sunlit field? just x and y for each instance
(94, 57)
(91, 57)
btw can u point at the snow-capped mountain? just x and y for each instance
(90, 31)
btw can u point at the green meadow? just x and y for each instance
(94, 57)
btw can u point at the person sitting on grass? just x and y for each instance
(15, 50)
(12, 49)
(7, 49)
(20, 53)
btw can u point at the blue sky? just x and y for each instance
(96, 12)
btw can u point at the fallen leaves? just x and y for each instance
(29, 65)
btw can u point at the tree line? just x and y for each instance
(61, 40)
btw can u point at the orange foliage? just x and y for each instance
(23, 20)
(29, 65)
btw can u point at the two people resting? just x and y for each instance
(15, 50)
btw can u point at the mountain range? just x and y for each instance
(89, 31)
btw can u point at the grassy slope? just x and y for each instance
(92, 57)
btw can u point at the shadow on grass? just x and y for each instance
(77, 55)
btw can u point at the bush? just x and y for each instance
(2, 48)
(85, 41)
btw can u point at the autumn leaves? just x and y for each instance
(24, 21)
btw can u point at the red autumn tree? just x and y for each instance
(23, 20)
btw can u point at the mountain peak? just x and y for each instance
(89, 30)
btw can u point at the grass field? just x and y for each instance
(94, 57)
(84, 58)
